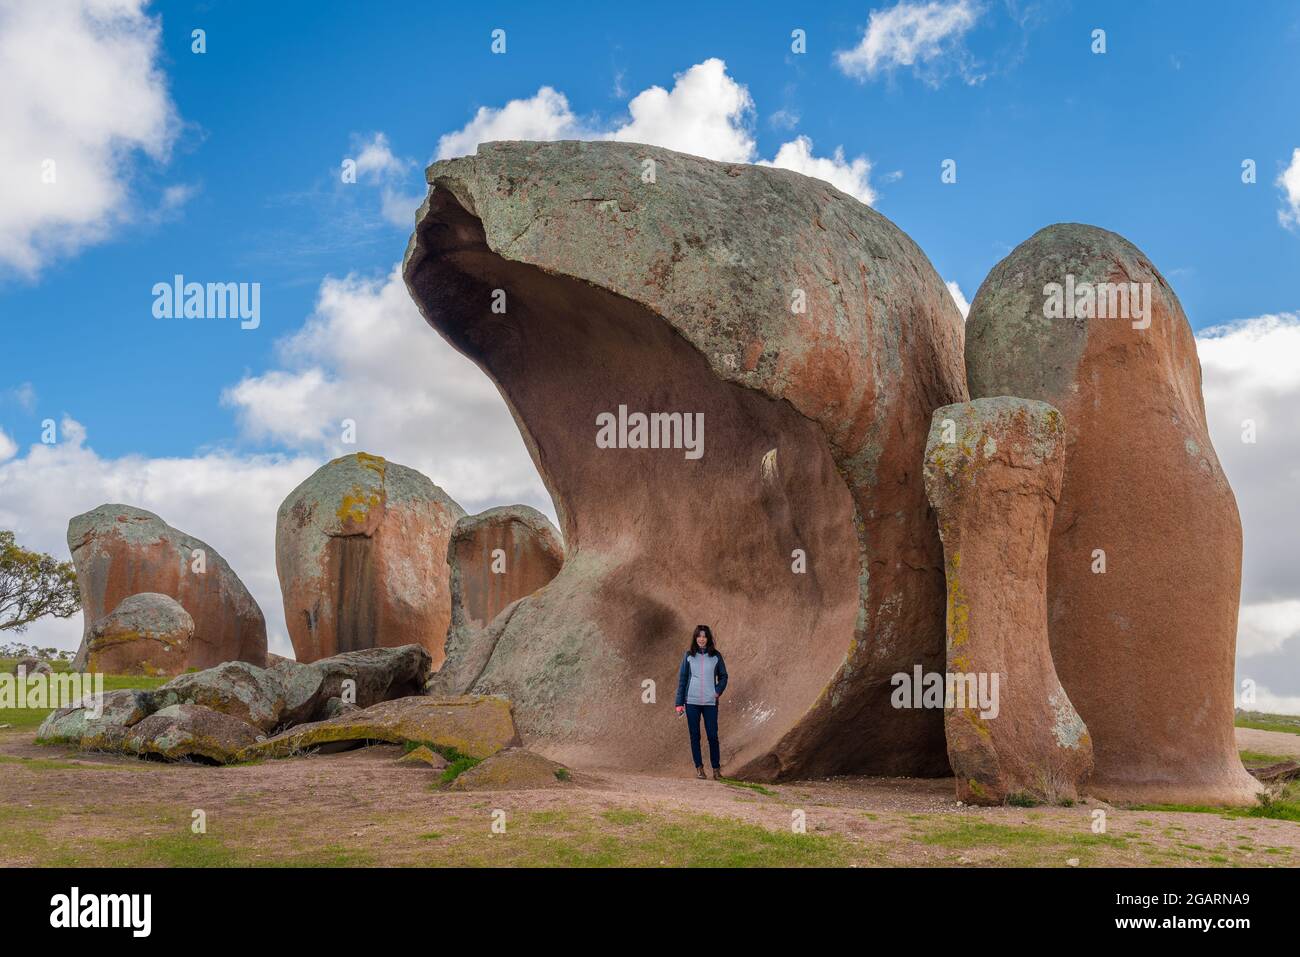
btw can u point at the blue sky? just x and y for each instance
(225, 166)
(1146, 139)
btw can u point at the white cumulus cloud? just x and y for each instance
(1289, 181)
(963, 306)
(1251, 371)
(377, 165)
(83, 96)
(706, 113)
(367, 355)
(227, 500)
(545, 116)
(929, 37)
(852, 177)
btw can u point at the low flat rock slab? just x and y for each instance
(423, 757)
(475, 725)
(513, 769)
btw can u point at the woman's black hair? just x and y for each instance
(708, 646)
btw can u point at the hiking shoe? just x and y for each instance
(717, 774)
(699, 773)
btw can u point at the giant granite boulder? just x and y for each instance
(1144, 565)
(360, 549)
(146, 634)
(724, 374)
(993, 472)
(496, 557)
(119, 551)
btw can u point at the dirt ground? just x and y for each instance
(361, 807)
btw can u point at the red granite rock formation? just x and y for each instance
(993, 472)
(1144, 567)
(120, 551)
(360, 549)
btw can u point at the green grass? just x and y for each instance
(457, 763)
(23, 719)
(456, 767)
(644, 840)
(732, 782)
(1261, 721)
(1256, 758)
(1280, 804)
(623, 815)
(1019, 845)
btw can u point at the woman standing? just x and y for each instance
(700, 682)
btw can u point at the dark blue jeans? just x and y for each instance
(710, 715)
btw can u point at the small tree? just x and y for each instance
(33, 585)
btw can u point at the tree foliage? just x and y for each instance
(33, 585)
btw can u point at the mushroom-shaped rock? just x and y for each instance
(119, 551)
(360, 549)
(1144, 564)
(146, 634)
(724, 374)
(496, 557)
(993, 472)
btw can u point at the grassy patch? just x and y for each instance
(1018, 845)
(456, 766)
(1256, 758)
(623, 815)
(732, 782)
(576, 839)
(23, 719)
(1261, 721)
(457, 763)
